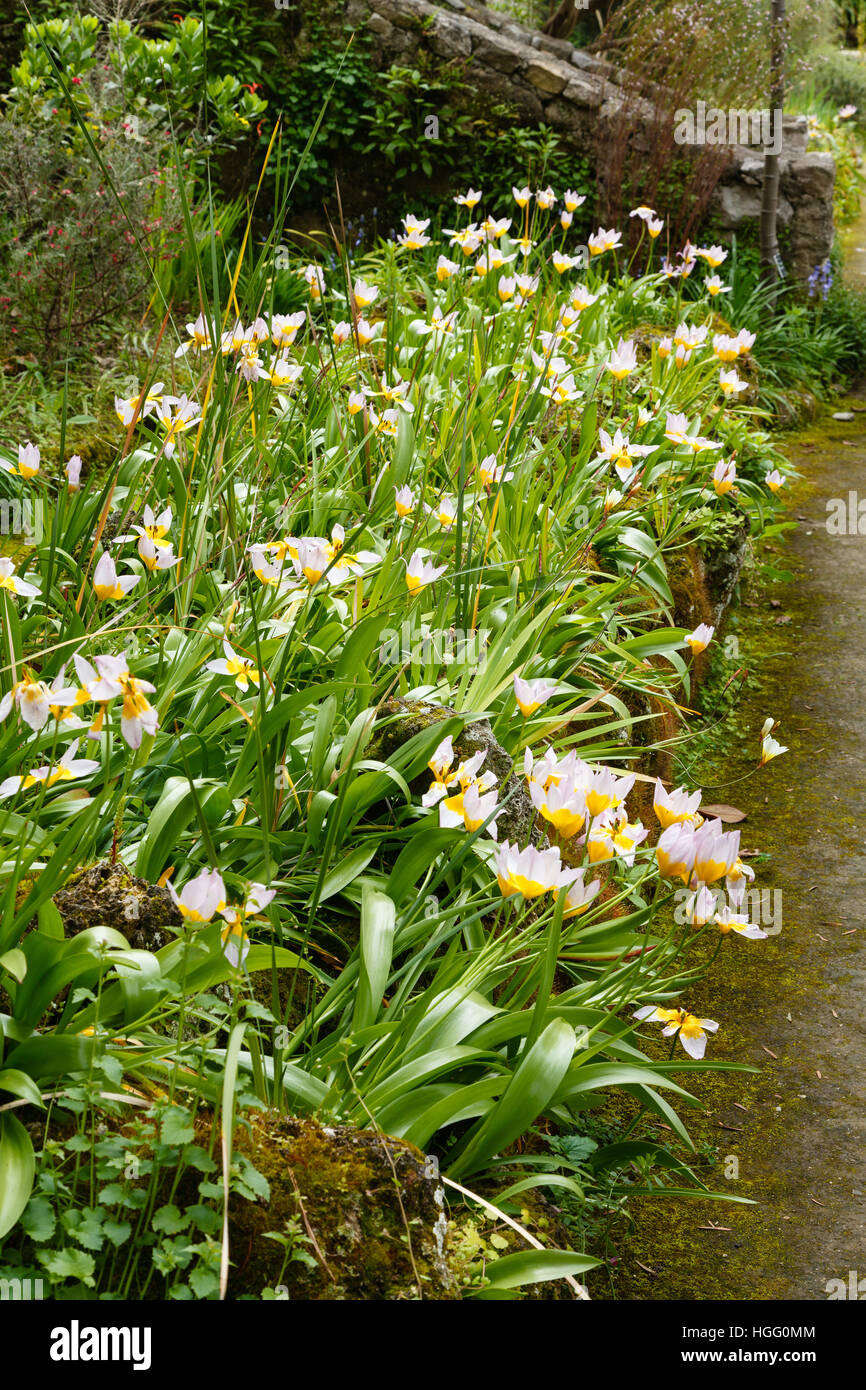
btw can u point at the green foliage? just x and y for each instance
(837, 79)
(95, 126)
(134, 1213)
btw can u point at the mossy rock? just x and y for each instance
(108, 895)
(374, 1204)
(722, 559)
(406, 718)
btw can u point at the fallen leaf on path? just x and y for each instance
(729, 814)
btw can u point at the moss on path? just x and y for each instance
(795, 1129)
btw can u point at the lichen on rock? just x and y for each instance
(373, 1203)
(108, 895)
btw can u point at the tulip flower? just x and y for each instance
(315, 280)
(613, 836)
(700, 639)
(581, 298)
(413, 239)
(238, 667)
(716, 853)
(477, 806)
(531, 695)
(28, 461)
(676, 807)
(580, 896)
(68, 767)
(404, 501)
(692, 1031)
(491, 474)
(562, 806)
(713, 286)
(725, 347)
(445, 268)
(621, 452)
(677, 431)
(701, 907)
(107, 583)
(445, 512)
(605, 792)
(155, 556)
(622, 360)
(421, 572)
(32, 699)
(184, 414)
(138, 716)
(73, 473)
(285, 327)
(770, 748)
(735, 882)
(675, 852)
(201, 898)
(363, 294)
(440, 325)
(284, 373)
(724, 477)
(198, 337)
(602, 241)
(728, 921)
(713, 255)
(13, 584)
(531, 872)
(731, 384)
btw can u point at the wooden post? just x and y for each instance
(770, 190)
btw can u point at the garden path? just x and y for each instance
(791, 1005)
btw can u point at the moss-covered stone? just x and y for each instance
(406, 718)
(108, 895)
(374, 1205)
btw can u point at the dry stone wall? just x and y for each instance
(547, 79)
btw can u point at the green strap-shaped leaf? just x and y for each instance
(378, 915)
(532, 1087)
(536, 1267)
(17, 1170)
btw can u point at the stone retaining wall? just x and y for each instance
(549, 80)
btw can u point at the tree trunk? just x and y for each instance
(770, 260)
